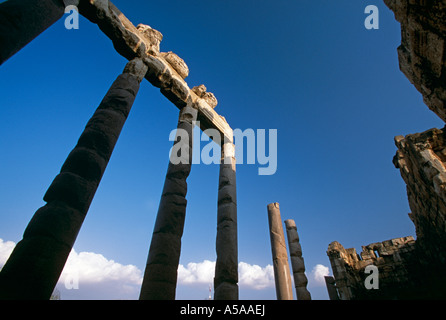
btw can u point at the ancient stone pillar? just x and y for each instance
(331, 288)
(160, 277)
(297, 261)
(23, 20)
(282, 275)
(226, 267)
(37, 261)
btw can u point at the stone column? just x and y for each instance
(160, 277)
(331, 288)
(23, 20)
(226, 267)
(37, 261)
(282, 275)
(297, 261)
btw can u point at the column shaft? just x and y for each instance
(282, 275)
(23, 20)
(331, 288)
(38, 259)
(297, 261)
(226, 268)
(160, 276)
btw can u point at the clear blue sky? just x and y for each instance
(309, 69)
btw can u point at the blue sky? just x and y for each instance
(309, 69)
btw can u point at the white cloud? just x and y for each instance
(92, 276)
(95, 268)
(319, 272)
(6, 248)
(196, 273)
(250, 276)
(255, 277)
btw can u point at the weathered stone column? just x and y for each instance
(160, 277)
(331, 288)
(226, 267)
(297, 261)
(38, 259)
(282, 275)
(23, 20)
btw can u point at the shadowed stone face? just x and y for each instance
(297, 261)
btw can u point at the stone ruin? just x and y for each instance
(282, 276)
(37, 261)
(393, 257)
(408, 268)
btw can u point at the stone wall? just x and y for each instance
(394, 259)
(422, 51)
(421, 158)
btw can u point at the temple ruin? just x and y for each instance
(409, 268)
(393, 258)
(37, 261)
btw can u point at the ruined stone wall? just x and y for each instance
(421, 158)
(422, 51)
(394, 260)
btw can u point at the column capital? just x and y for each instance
(228, 150)
(71, 2)
(188, 114)
(136, 67)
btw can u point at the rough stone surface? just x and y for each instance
(421, 159)
(209, 97)
(422, 50)
(282, 275)
(297, 261)
(177, 63)
(160, 276)
(331, 288)
(226, 266)
(152, 38)
(37, 261)
(23, 20)
(395, 260)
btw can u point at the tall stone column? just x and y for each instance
(38, 259)
(297, 261)
(160, 276)
(282, 275)
(226, 267)
(23, 20)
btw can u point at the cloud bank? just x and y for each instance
(89, 275)
(250, 276)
